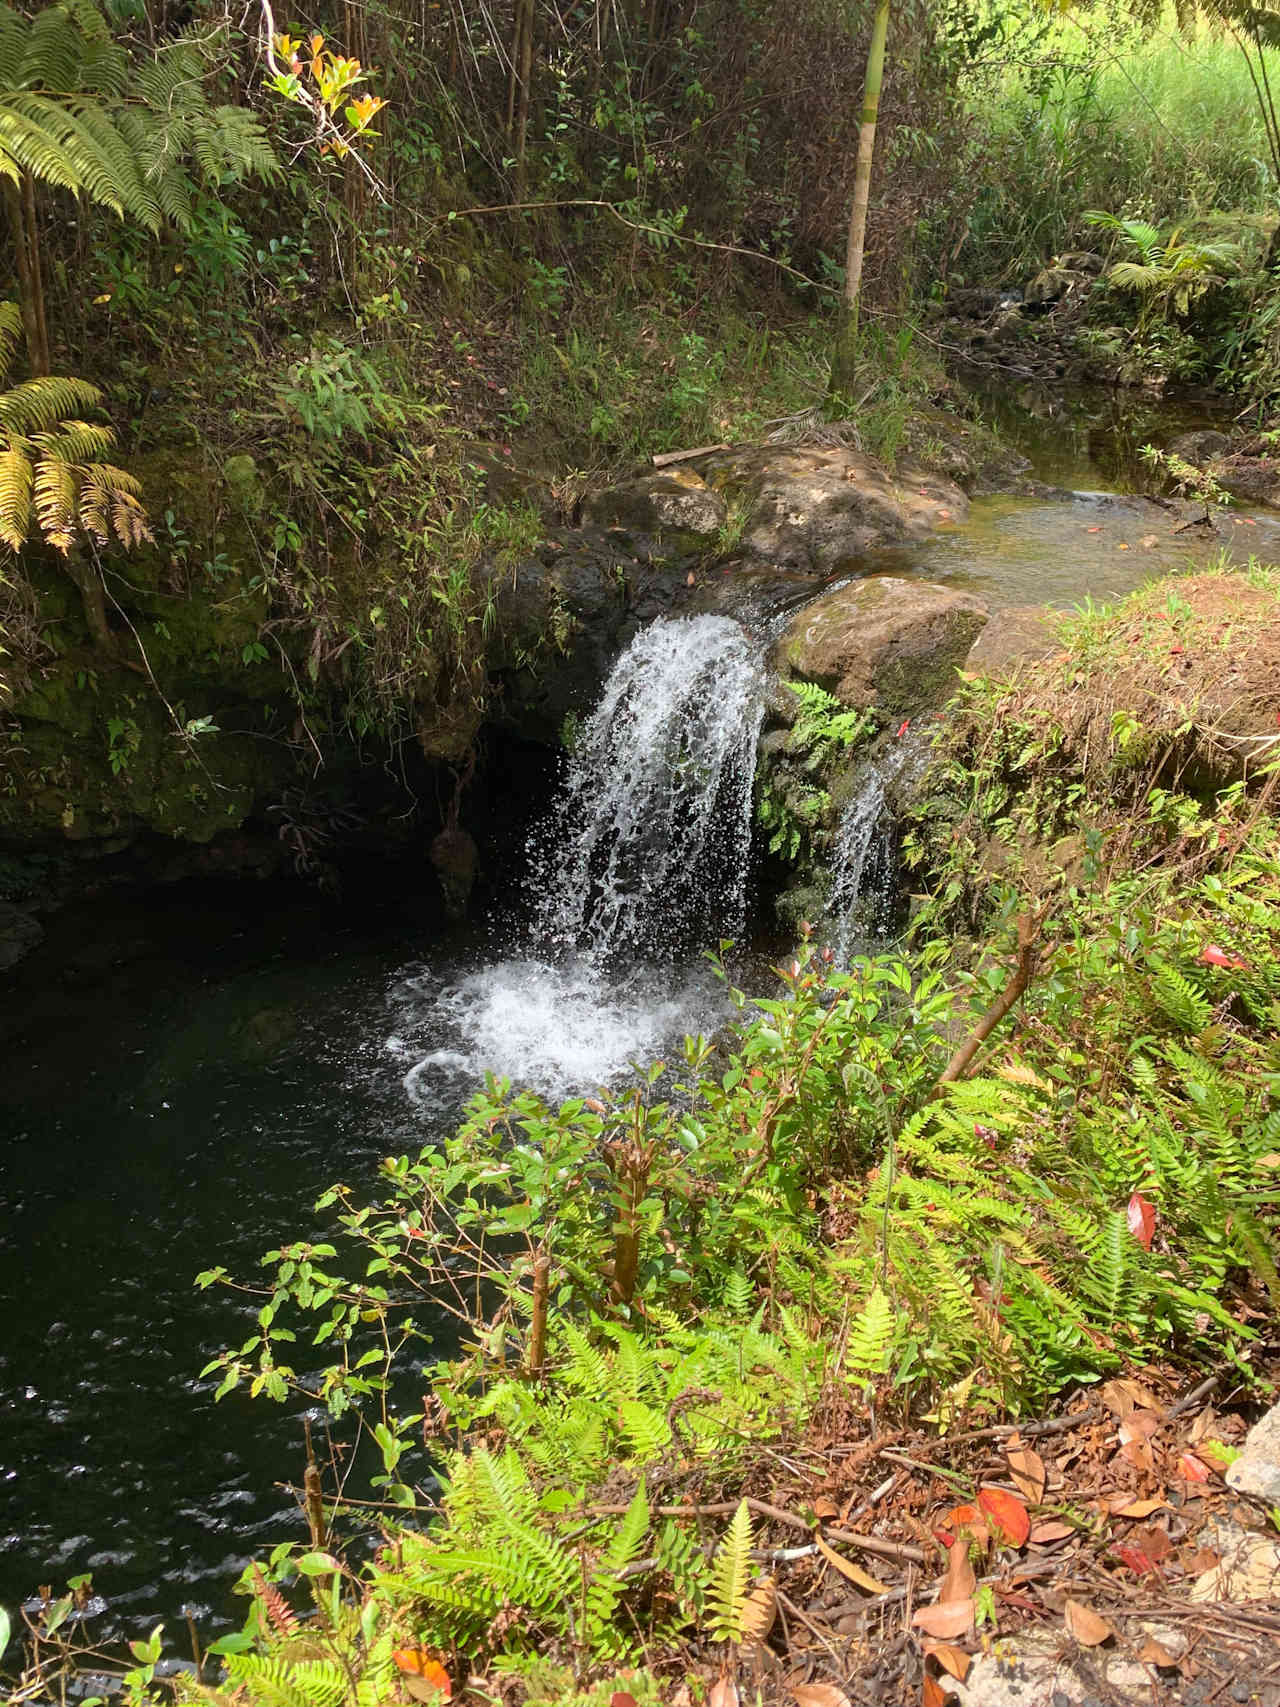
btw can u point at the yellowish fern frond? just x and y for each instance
(55, 498)
(16, 475)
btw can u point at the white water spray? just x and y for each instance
(860, 837)
(643, 860)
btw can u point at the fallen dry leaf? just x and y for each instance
(1149, 541)
(1123, 1395)
(1008, 1514)
(847, 1568)
(1026, 1467)
(931, 1694)
(824, 1507)
(959, 1582)
(945, 1620)
(953, 1660)
(724, 1693)
(760, 1610)
(1051, 1530)
(1138, 1508)
(819, 1695)
(622, 1698)
(1087, 1628)
(1153, 1653)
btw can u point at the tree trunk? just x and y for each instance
(26, 255)
(89, 582)
(844, 356)
(518, 90)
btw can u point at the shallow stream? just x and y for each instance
(184, 1072)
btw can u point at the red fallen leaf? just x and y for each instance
(903, 727)
(1137, 1561)
(959, 1519)
(1093, 530)
(1174, 649)
(1142, 1220)
(1191, 1467)
(1214, 956)
(1007, 1513)
(418, 1663)
(621, 1698)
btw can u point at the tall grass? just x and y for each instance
(1153, 126)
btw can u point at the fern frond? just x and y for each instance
(16, 475)
(727, 1586)
(55, 502)
(871, 1334)
(38, 404)
(605, 1589)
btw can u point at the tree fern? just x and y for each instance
(53, 479)
(59, 70)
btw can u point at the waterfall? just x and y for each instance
(643, 859)
(861, 867)
(652, 835)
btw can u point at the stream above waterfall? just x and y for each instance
(186, 1070)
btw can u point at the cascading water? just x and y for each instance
(654, 829)
(644, 858)
(861, 863)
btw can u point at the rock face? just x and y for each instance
(1200, 446)
(1257, 1470)
(566, 614)
(676, 507)
(884, 642)
(818, 510)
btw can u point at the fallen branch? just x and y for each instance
(1028, 936)
(665, 459)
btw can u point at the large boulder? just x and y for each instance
(884, 642)
(819, 510)
(1016, 635)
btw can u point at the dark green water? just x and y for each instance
(182, 1075)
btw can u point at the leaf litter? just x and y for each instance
(1102, 1536)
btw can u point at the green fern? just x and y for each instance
(871, 1335)
(727, 1585)
(58, 71)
